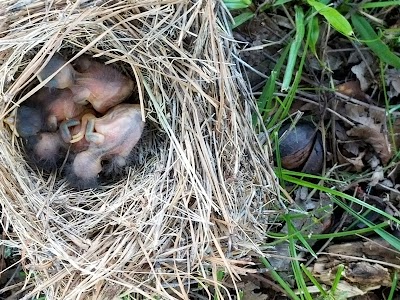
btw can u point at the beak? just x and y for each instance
(10, 121)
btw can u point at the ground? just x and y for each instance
(337, 128)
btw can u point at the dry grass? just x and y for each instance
(196, 199)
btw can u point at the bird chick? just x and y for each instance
(28, 121)
(63, 79)
(101, 85)
(46, 150)
(91, 81)
(111, 137)
(55, 107)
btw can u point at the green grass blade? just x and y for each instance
(298, 274)
(265, 103)
(279, 279)
(306, 175)
(294, 48)
(394, 286)
(313, 27)
(281, 2)
(314, 281)
(336, 281)
(336, 193)
(237, 4)
(305, 244)
(379, 4)
(242, 18)
(278, 169)
(324, 236)
(334, 18)
(391, 239)
(372, 40)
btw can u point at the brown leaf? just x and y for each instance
(352, 89)
(248, 292)
(393, 80)
(373, 136)
(365, 116)
(356, 162)
(360, 71)
(367, 273)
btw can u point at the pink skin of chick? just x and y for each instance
(63, 79)
(48, 149)
(56, 106)
(111, 137)
(90, 81)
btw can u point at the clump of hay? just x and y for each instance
(195, 199)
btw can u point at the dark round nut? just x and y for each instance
(296, 145)
(315, 160)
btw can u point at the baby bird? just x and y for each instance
(111, 137)
(63, 79)
(90, 81)
(29, 121)
(55, 107)
(46, 150)
(101, 85)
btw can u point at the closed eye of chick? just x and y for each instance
(111, 137)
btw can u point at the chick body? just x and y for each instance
(63, 79)
(111, 137)
(46, 109)
(29, 121)
(90, 81)
(101, 85)
(46, 150)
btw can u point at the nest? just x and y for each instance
(195, 199)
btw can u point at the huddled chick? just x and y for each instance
(79, 111)
(90, 81)
(111, 138)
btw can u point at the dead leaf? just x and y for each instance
(364, 116)
(352, 89)
(373, 136)
(393, 81)
(356, 162)
(248, 292)
(360, 71)
(340, 132)
(377, 176)
(366, 273)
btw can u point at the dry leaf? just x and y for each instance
(377, 176)
(393, 81)
(375, 138)
(356, 162)
(249, 294)
(366, 273)
(360, 70)
(364, 116)
(352, 89)
(352, 148)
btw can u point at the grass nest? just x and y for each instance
(193, 202)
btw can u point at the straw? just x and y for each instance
(196, 198)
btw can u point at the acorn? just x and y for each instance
(301, 147)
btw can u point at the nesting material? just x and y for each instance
(194, 199)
